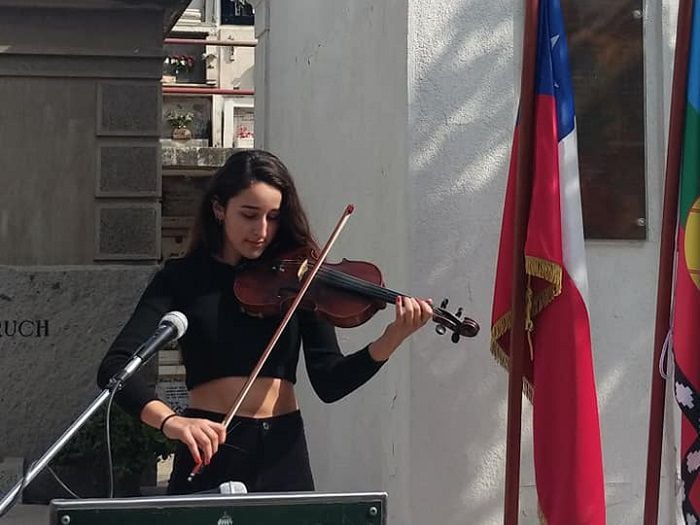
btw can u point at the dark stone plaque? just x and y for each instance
(607, 66)
(128, 232)
(128, 170)
(128, 108)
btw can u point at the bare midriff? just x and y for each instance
(267, 397)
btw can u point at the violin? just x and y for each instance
(346, 294)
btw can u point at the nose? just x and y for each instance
(261, 228)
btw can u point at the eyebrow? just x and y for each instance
(256, 208)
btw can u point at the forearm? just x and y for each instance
(154, 412)
(201, 436)
(382, 349)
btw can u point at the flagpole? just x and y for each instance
(666, 256)
(523, 192)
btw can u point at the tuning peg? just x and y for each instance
(444, 302)
(455, 337)
(459, 312)
(440, 329)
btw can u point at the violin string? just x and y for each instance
(379, 292)
(355, 284)
(349, 282)
(343, 280)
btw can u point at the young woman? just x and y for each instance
(251, 211)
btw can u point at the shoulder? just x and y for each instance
(182, 268)
(180, 277)
(186, 264)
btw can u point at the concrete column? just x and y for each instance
(80, 102)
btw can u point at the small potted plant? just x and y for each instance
(179, 120)
(244, 138)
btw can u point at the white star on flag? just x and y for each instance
(684, 396)
(693, 461)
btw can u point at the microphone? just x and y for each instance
(233, 487)
(227, 487)
(171, 327)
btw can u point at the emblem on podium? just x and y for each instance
(225, 520)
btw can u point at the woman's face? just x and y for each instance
(250, 221)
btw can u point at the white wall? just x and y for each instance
(331, 102)
(407, 110)
(463, 73)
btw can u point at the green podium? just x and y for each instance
(298, 508)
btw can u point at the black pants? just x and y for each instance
(267, 454)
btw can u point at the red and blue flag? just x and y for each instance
(559, 378)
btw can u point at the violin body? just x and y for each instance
(347, 294)
(268, 289)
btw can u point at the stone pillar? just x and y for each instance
(80, 103)
(81, 98)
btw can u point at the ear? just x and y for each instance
(218, 210)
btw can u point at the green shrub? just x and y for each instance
(135, 445)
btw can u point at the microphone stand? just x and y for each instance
(10, 498)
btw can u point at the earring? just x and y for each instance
(219, 219)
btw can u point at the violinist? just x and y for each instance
(251, 212)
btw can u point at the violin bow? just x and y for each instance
(308, 278)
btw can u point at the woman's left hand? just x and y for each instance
(411, 314)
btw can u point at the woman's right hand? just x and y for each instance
(201, 436)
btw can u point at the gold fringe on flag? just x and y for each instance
(534, 304)
(547, 270)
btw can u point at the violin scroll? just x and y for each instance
(460, 327)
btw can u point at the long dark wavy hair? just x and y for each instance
(240, 172)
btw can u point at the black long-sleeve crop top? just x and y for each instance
(222, 341)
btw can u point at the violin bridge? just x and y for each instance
(303, 268)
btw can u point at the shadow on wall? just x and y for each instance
(461, 119)
(463, 103)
